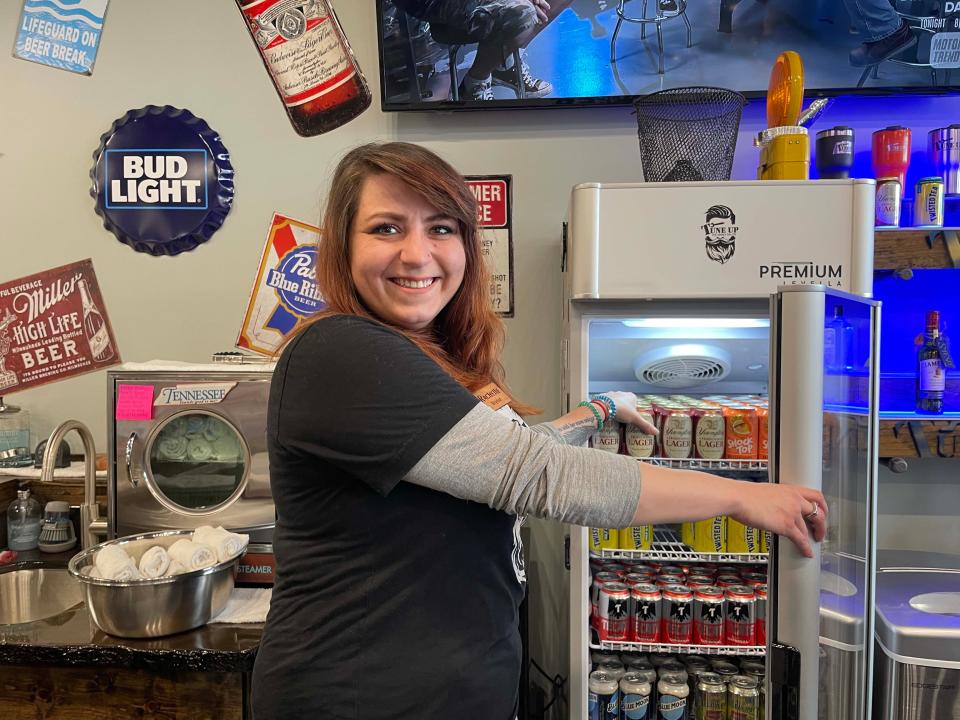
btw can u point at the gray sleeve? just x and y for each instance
(488, 458)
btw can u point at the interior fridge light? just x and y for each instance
(674, 322)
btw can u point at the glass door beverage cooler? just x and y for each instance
(739, 314)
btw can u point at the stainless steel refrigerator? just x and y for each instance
(758, 288)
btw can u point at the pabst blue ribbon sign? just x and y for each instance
(163, 181)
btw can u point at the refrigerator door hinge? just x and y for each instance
(566, 551)
(563, 256)
(784, 682)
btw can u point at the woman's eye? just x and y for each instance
(385, 230)
(444, 230)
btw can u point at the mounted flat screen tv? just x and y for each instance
(456, 54)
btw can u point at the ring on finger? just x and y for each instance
(813, 513)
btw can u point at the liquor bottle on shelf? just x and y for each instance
(310, 62)
(94, 326)
(838, 343)
(932, 360)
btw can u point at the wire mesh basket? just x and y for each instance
(689, 133)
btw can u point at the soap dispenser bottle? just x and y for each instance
(23, 522)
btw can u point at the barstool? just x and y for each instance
(657, 20)
(455, 39)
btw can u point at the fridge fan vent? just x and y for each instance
(682, 366)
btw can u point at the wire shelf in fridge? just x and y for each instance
(749, 650)
(758, 466)
(667, 546)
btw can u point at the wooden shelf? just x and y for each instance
(920, 438)
(901, 249)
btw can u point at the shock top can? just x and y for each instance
(740, 614)
(672, 694)
(604, 697)
(743, 698)
(635, 693)
(677, 615)
(645, 613)
(708, 616)
(710, 697)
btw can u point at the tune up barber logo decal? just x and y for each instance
(721, 230)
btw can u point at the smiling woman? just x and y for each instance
(401, 468)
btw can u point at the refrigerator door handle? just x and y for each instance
(784, 682)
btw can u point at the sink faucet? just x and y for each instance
(91, 526)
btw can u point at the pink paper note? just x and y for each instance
(135, 402)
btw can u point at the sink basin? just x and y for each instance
(35, 593)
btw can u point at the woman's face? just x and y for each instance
(406, 259)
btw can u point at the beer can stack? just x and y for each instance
(637, 686)
(703, 604)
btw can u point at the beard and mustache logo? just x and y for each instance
(720, 230)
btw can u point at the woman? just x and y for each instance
(399, 493)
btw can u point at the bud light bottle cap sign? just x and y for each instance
(162, 180)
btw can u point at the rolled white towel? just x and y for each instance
(226, 544)
(192, 555)
(114, 564)
(174, 568)
(154, 562)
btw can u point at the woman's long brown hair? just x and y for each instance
(467, 337)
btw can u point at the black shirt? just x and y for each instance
(391, 600)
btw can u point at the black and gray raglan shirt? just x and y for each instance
(399, 567)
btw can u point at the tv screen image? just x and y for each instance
(542, 53)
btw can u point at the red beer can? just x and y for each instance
(613, 609)
(599, 579)
(645, 613)
(670, 579)
(760, 592)
(741, 615)
(698, 582)
(753, 579)
(708, 603)
(676, 612)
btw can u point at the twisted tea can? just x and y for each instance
(645, 600)
(672, 694)
(676, 615)
(635, 693)
(741, 626)
(710, 697)
(743, 698)
(928, 202)
(708, 604)
(604, 697)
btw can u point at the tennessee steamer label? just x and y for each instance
(300, 46)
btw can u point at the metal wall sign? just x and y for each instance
(64, 34)
(285, 291)
(53, 325)
(495, 214)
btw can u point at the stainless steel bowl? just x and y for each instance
(153, 607)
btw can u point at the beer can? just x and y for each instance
(709, 430)
(638, 578)
(928, 202)
(635, 565)
(753, 668)
(887, 207)
(663, 581)
(676, 612)
(674, 666)
(708, 627)
(760, 592)
(695, 663)
(742, 433)
(638, 443)
(727, 580)
(619, 568)
(740, 613)
(639, 662)
(610, 439)
(639, 537)
(604, 696)
(635, 693)
(676, 433)
(672, 570)
(695, 583)
(763, 433)
(710, 697)
(658, 659)
(672, 695)
(614, 668)
(598, 580)
(743, 698)
(727, 570)
(601, 656)
(752, 579)
(604, 539)
(742, 538)
(710, 535)
(645, 613)
(613, 611)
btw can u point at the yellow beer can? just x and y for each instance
(710, 535)
(636, 538)
(687, 530)
(604, 539)
(742, 538)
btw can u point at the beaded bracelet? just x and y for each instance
(596, 413)
(608, 401)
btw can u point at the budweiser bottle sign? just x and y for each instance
(309, 60)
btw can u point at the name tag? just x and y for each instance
(492, 396)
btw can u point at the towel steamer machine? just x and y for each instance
(188, 447)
